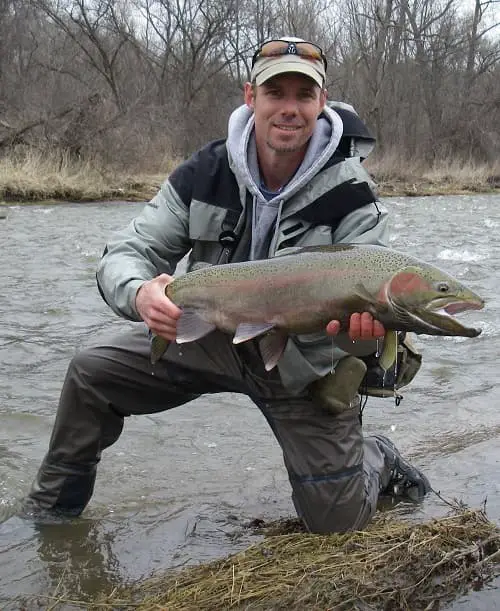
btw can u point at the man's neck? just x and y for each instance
(277, 169)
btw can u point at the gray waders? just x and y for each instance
(335, 475)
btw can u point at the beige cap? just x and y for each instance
(267, 67)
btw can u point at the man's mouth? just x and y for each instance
(288, 128)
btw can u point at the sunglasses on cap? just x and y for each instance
(275, 48)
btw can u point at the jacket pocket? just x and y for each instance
(305, 234)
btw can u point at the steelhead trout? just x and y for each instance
(302, 291)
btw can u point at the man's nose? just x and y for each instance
(290, 106)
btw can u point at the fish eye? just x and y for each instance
(443, 287)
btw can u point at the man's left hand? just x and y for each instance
(361, 326)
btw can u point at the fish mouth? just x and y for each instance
(439, 313)
(437, 317)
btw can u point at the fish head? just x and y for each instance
(424, 299)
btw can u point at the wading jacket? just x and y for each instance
(205, 209)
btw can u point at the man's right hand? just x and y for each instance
(155, 308)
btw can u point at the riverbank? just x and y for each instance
(391, 565)
(53, 177)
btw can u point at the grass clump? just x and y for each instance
(392, 565)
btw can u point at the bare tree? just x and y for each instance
(132, 80)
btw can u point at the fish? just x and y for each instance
(303, 290)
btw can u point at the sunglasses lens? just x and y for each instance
(282, 47)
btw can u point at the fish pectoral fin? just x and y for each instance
(248, 330)
(272, 347)
(191, 326)
(363, 293)
(158, 348)
(389, 351)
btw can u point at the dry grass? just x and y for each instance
(52, 175)
(37, 176)
(396, 175)
(392, 565)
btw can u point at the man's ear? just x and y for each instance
(322, 99)
(249, 95)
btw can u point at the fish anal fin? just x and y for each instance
(272, 347)
(249, 330)
(191, 326)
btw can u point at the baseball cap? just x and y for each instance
(288, 54)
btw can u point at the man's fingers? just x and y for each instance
(378, 329)
(364, 326)
(355, 326)
(333, 327)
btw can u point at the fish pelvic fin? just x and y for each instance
(390, 350)
(158, 347)
(272, 346)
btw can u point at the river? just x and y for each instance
(177, 486)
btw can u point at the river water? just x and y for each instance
(177, 487)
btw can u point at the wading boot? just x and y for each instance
(405, 481)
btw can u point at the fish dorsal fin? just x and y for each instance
(407, 280)
(199, 265)
(191, 327)
(272, 347)
(248, 330)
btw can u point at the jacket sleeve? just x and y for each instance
(366, 225)
(153, 243)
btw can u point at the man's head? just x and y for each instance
(286, 93)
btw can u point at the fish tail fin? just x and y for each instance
(158, 348)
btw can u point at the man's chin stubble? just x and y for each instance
(284, 148)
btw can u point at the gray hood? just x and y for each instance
(243, 154)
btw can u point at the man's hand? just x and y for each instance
(155, 308)
(361, 326)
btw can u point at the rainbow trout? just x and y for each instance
(302, 291)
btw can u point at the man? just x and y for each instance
(282, 178)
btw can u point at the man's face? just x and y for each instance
(286, 108)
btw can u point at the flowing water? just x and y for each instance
(177, 487)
